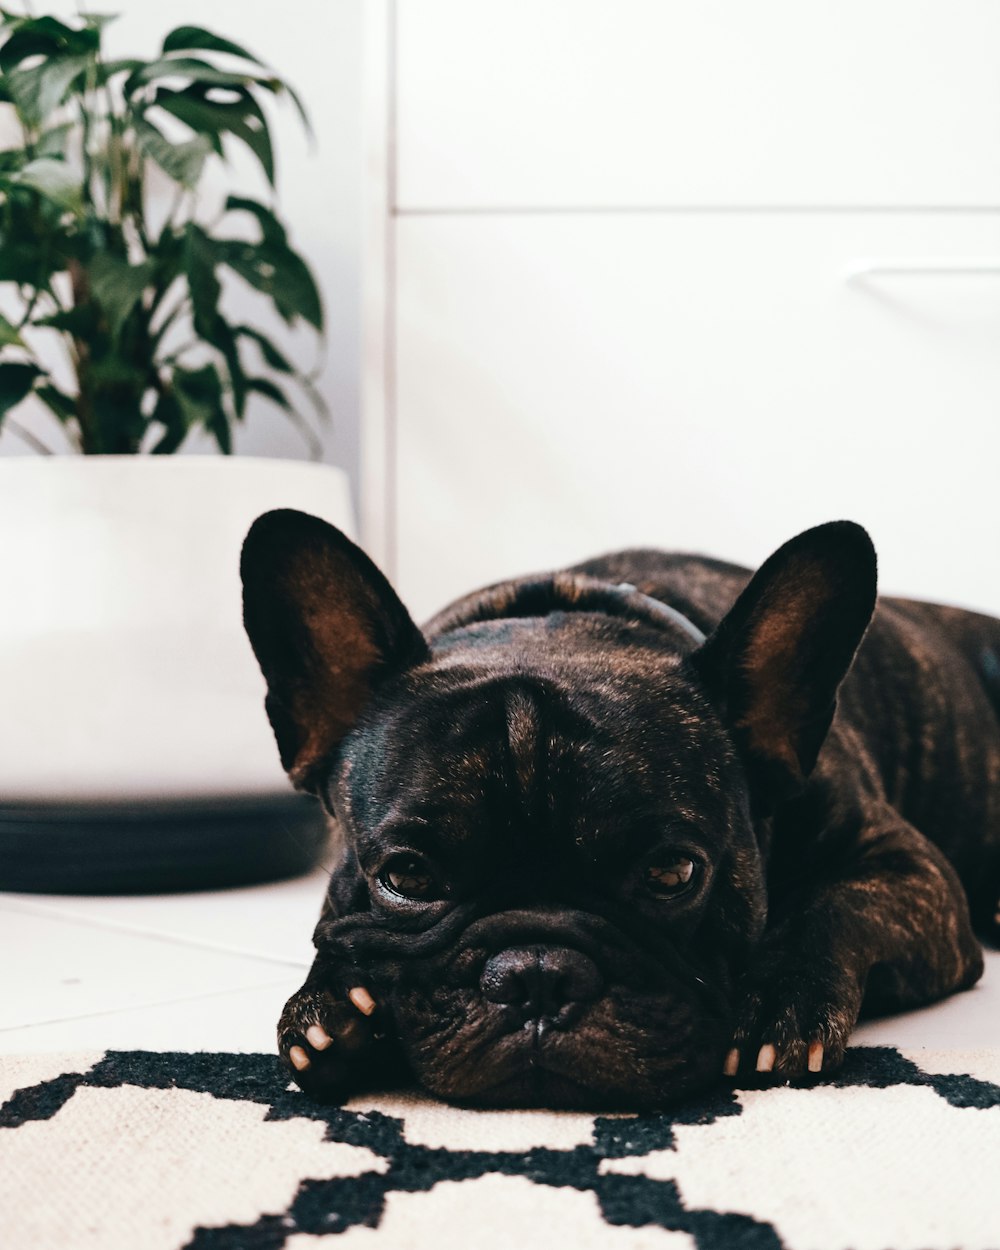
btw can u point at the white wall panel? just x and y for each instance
(570, 384)
(513, 103)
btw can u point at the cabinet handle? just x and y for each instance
(956, 265)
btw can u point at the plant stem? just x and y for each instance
(85, 119)
(89, 440)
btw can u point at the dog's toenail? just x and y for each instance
(732, 1064)
(299, 1058)
(317, 1037)
(360, 997)
(815, 1061)
(766, 1058)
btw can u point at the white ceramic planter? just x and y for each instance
(126, 681)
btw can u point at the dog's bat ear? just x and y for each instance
(326, 628)
(775, 661)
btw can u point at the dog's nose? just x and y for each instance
(540, 980)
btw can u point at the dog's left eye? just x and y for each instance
(671, 877)
(409, 877)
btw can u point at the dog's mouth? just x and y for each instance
(546, 1007)
(617, 1051)
(579, 1025)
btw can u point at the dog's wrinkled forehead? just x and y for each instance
(478, 749)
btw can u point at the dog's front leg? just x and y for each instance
(334, 1037)
(335, 1034)
(891, 931)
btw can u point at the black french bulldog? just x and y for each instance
(590, 857)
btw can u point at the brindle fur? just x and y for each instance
(550, 733)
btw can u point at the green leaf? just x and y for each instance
(169, 413)
(9, 334)
(277, 272)
(169, 252)
(218, 333)
(181, 161)
(199, 393)
(209, 324)
(37, 92)
(272, 231)
(242, 118)
(224, 340)
(200, 259)
(197, 39)
(106, 70)
(12, 159)
(54, 179)
(53, 141)
(195, 70)
(45, 36)
(113, 373)
(22, 263)
(63, 406)
(16, 381)
(200, 115)
(271, 391)
(23, 44)
(81, 321)
(300, 108)
(34, 241)
(116, 407)
(118, 286)
(272, 356)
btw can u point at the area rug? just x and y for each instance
(132, 1150)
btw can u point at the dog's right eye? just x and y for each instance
(411, 877)
(670, 876)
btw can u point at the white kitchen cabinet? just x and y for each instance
(562, 103)
(571, 385)
(610, 294)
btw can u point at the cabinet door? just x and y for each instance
(568, 384)
(542, 103)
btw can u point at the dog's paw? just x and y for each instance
(793, 1021)
(331, 1042)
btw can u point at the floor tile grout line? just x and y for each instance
(156, 935)
(122, 1011)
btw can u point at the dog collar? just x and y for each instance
(659, 608)
(561, 592)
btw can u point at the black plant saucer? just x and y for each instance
(157, 846)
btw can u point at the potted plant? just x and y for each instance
(129, 281)
(121, 631)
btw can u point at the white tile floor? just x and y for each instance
(205, 971)
(211, 972)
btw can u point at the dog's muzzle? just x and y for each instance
(542, 984)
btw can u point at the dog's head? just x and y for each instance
(551, 806)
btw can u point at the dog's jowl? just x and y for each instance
(611, 834)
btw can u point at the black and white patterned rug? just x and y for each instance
(133, 1150)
